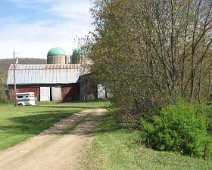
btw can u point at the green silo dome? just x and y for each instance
(56, 51)
(79, 51)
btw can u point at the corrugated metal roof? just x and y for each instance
(44, 74)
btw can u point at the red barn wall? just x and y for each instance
(70, 92)
(21, 89)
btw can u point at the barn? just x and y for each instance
(49, 82)
(63, 78)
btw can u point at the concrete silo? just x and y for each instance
(80, 56)
(57, 55)
(77, 56)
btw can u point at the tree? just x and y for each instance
(147, 52)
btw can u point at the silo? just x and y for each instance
(76, 56)
(56, 55)
(68, 59)
(80, 56)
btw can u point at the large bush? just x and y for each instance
(180, 127)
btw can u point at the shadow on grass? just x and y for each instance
(37, 123)
(34, 124)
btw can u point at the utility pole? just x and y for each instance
(14, 80)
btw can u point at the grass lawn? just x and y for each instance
(92, 104)
(22, 122)
(117, 148)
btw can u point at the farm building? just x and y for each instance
(49, 82)
(63, 78)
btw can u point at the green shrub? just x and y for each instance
(3, 97)
(179, 128)
(207, 111)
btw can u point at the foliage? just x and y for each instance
(117, 148)
(207, 111)
(180, 128)
(148, 52)
(3, 78)
(3, 97)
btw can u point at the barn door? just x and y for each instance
(44, 93)
(56, 93)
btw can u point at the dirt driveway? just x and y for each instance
(59, 148)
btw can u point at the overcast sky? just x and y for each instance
(32, 27)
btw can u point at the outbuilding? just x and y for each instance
(63, 78)
(49, 82)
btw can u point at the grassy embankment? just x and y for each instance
(22, 122)
(117, 148)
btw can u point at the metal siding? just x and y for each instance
(44, 74)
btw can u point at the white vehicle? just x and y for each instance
(25, 99)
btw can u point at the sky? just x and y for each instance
(32, 27)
